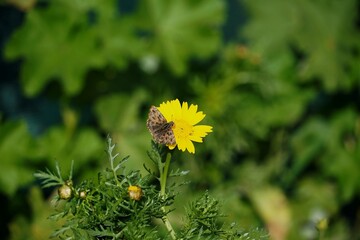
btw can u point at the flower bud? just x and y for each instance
(135, 192)
(82, 195)
(65, 192)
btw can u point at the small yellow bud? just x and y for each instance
(65, 192)
(135, 192)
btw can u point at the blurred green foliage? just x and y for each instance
(282, 96)
(94, 34)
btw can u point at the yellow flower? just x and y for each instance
(185, 119)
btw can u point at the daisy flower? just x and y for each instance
(184, 119)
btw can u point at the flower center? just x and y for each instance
(182, 129)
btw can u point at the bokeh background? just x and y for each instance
(279, 81)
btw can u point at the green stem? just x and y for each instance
(115, 177)
(164, 174)
(112, 158)
(163, 179)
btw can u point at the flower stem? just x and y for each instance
(163, 179)
(164, 174)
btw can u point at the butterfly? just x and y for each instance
(160, 129)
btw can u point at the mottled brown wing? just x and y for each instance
(160, 129)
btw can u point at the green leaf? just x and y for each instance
(15, 142)
(277, 27)
(182, 29)
(308, 143)
(332, 145)
(327, 48)
(341, 158)
(61, 42)
(55, 42)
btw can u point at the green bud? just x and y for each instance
(65, 192)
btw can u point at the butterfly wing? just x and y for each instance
(165, 134)
(160, 129)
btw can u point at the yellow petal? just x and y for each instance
(202, 130)
(190, 147)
